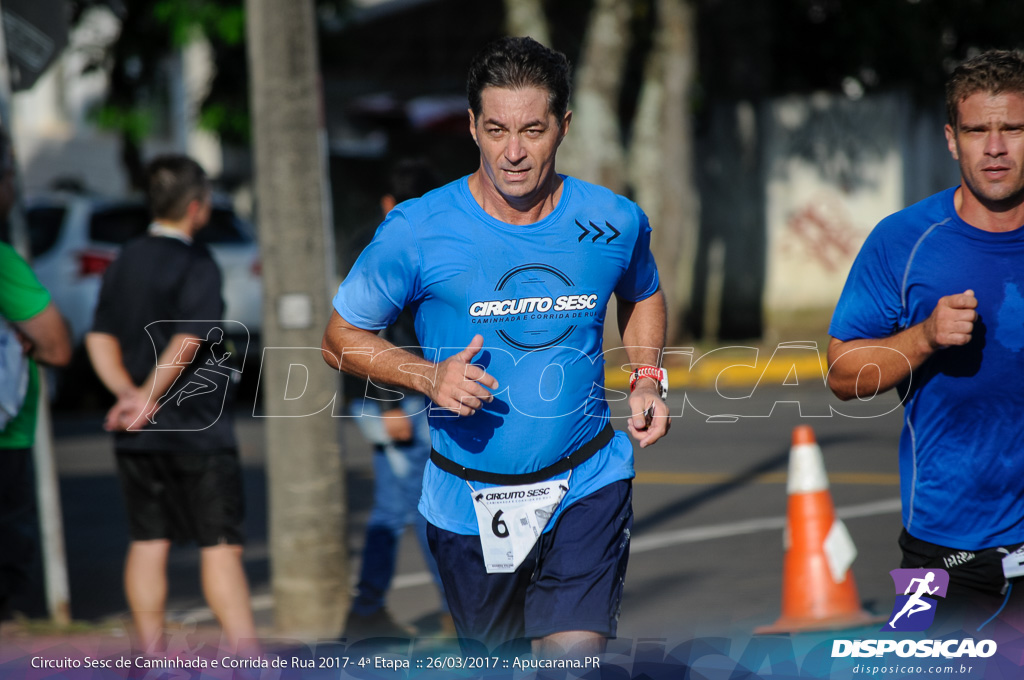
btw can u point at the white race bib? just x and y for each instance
(512, 518)
(1013, 564)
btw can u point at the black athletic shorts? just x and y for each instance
(977, 587)
(571, 580)
(183, 496)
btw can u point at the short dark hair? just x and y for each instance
(993, 72)
(411, 178)
(516, 63)
(172, 182)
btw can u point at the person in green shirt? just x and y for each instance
(26, 306)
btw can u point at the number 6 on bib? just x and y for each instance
(512, 518)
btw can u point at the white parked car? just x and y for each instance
(75, 237)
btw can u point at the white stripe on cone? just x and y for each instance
(806, 470)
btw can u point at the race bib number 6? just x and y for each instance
(512, 518)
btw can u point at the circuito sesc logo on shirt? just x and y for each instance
(535, 306)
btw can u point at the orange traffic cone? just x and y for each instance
(818, 591)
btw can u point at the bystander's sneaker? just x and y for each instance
(378, 624)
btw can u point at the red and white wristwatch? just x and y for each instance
(654, 373)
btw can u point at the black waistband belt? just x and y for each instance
(571, 461)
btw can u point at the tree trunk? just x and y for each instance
(661, 156)
(305, 477)
(526, 17)
(593, 150)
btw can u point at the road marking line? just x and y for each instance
(265, 602)
(669, 538)
(684, 478)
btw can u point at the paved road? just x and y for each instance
(709, 500)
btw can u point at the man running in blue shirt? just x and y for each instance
(934, 306)
(509, 272)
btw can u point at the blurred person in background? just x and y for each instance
(394, 420)
(180, 472)
(31, 330)
(934, 307)
(528, 493)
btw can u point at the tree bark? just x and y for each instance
(526, 17)
(305, 476)
(661, 156)
(593, 150)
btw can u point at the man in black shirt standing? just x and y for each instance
(177, 458)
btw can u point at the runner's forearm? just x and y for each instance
(364, 354)
(642, 325)
(864, 367)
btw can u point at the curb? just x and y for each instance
(710, 372)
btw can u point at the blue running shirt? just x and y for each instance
(537, 293)
(962, 446)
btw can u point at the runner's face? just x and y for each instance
(989, 145)
(518, 137)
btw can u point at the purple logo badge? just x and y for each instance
(916, 590)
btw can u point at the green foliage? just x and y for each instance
(151, 31)
(222, 21)
(135, 123)
(225, 120)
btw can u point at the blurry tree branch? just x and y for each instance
(593, 151)
(660, 163)
(526, 17)
(152, 31)
(654, 164)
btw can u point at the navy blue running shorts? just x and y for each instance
(571, 580)
(184, 497)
